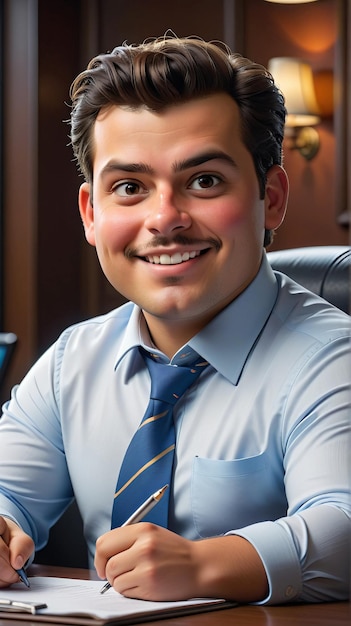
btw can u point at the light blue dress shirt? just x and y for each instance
(262, 437)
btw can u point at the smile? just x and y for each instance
(172, 259)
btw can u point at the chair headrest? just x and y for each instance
(325, 270)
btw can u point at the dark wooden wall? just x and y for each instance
(51, 276)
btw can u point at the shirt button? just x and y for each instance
(289, 591)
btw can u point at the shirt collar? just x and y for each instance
(133, 336)
(227, 340)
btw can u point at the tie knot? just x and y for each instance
(169, 382)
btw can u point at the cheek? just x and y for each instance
(240, 226)
(113, 232)
(234, 215)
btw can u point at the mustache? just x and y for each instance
(160, 241)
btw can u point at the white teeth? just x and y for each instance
(165, 259)
(174, 259)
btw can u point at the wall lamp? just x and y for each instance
(291, 1)
(294, 78)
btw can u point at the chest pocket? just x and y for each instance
(227, 495)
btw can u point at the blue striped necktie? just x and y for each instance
(147, 464)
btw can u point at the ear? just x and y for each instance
(276, 197)
(87, 212)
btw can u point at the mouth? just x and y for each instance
(173, 259)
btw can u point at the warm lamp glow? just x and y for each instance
(295, 79)
(291, 1)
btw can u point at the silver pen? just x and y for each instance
(139, 514)
(18, 606)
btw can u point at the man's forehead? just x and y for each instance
(215, 99)
(184, 131)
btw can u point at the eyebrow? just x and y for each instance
(180, 166)
(204, 158)
(114, 166)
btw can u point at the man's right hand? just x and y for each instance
(15, 549)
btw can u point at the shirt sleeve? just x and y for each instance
(35, 486)
(307, 553)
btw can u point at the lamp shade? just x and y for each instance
(294, 78)
(291, 1)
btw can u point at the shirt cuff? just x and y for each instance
(279, 558)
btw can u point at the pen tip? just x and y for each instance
(23, 577)
(160, 493)
(105, 587)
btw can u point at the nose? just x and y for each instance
(166, 215)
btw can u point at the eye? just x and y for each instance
(205, 181)
(127, 189)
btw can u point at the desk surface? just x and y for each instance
(331, 614)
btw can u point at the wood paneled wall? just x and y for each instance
(52, 277)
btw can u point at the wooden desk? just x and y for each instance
(331, 614)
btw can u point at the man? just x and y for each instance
(179, 142)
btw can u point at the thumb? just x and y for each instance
(21, 547)
(18, 562)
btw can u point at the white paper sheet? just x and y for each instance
(75, 597)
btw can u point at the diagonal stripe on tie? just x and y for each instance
(152, 418)
(145, 467)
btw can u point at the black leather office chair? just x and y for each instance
(325, 270)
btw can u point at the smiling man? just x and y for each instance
(179, 142)
(175, 211)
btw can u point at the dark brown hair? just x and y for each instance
(169, 70)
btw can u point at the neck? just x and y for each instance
(170, 336)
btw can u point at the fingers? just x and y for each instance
(147, 562)
(15, 549)
(21, 546)
(123, 555)
(111, 543)
(8, 575)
